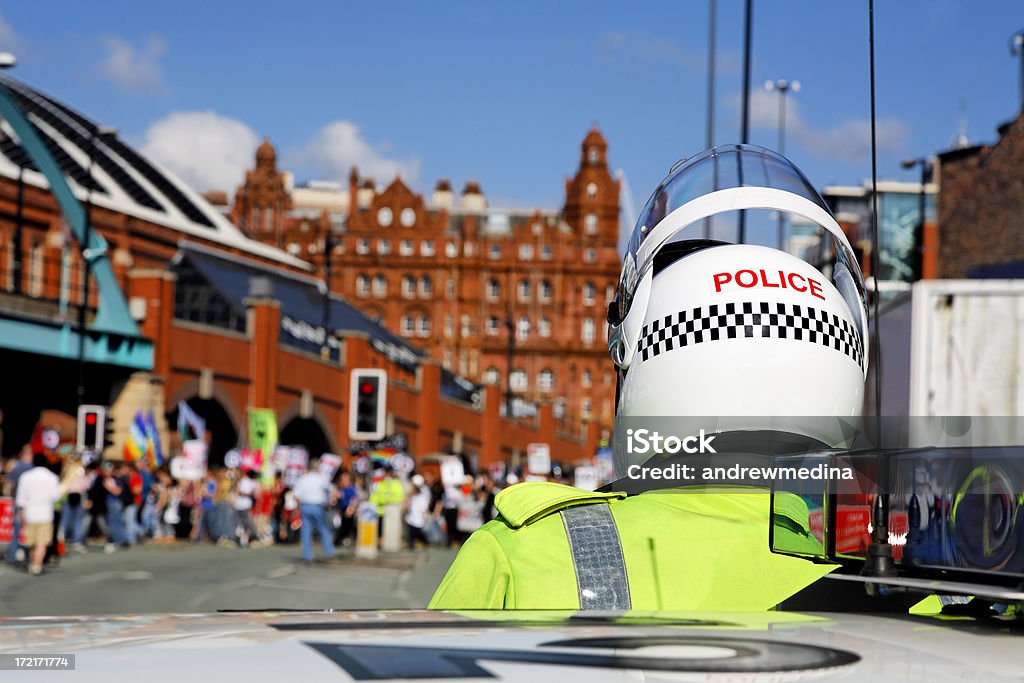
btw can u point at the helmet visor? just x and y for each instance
(708, 197)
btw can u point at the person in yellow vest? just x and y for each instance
(388, 490)
(699, 327)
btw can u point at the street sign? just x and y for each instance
(402, 463)
(233, 459)
(51, 439)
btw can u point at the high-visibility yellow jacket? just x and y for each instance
(388, 491)
(679, 550)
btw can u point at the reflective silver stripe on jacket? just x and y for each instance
(597, 557)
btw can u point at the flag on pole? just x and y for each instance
(154, 449)
(190, 425)
(135, 443)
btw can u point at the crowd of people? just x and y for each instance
(70, 506)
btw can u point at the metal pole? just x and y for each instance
(325, 352)
(85, 274)
(745, 123)
(16, 245)
(709, 137)
(918, 255)
(511, 356)
(782, 150)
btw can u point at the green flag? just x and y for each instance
(263, 437)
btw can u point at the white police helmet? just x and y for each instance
(704, 325)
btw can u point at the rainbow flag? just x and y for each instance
(154, 450)
(135, 444)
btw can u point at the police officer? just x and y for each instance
(702, 325)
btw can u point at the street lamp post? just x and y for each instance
(511, 355)
(98, 133)
(783, 87)
(917, 256)
(1017, 50)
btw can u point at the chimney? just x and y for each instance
(473, 200)
(366, 194)
(443, 198)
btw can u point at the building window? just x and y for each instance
(449, 288)
(294, 248)
(449, 326)
(493, 290)
(590, 223)
(495, 252)
(558, 410)
(384, 216)
(492, 376)
(465, 326)
(545, 291)
(523, 290)
(546, 380)
(592, 190)
(467, 249)
(525, 252)
(408, 325)
(380, 286)
(589, 292)
(451, 250)
(590, 256)
(587, 379)
(545, 253)
(426, 286)
(519, 380)
(384, 247)
(592, 155)
(35, 270)
(406, 248)
(363, 246)
(544, 327)
(424, 326)
(588, 330)
(493, 326)
(523, 328)
(427, 248)
(408, 286)
(407, 217)
(585, 409)
(537, 228)
(362, 285)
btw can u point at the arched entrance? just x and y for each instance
(221, 435)
(305, 432)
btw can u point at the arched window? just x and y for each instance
(519, 380)
(523, 328)
(492, 376)
(546, 380)
(544, 327)
(362, 285)
(493, 290)
(380, 286)
(408, 286)
(589, 292)
(426, 286)
(523, 290)
(545, 291)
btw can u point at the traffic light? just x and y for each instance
(91, 431)
(368, 390)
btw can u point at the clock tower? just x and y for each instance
(592, 196)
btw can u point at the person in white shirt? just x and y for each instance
(38, 491)
(314, 492)
(417, 512)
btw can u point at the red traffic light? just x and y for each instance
(90, 419)
(366, 388)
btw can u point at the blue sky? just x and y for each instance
(504, 92)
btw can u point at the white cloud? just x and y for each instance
(206, 150)
(134, 69)
(648, 48)
(339, 146)
(847, 141)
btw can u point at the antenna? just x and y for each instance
(878, 561)
(962, 140)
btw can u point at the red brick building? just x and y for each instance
(236, 322)
(981, 207)
(459, 278)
